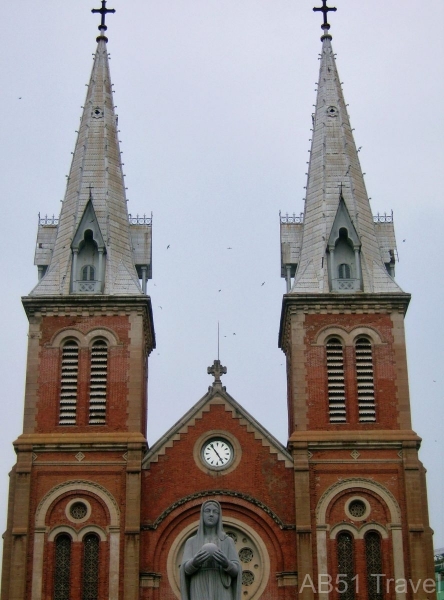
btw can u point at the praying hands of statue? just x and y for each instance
(227, 565)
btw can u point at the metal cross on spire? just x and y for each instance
(325, 9)
(102, 27)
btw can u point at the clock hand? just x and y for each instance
(217, 453)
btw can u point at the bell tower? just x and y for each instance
(361, 506)
(75, 489)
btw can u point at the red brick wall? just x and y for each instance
(259, 474)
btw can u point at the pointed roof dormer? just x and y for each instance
(334, 171)
(97, 166)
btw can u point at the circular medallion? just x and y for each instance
(217, 453)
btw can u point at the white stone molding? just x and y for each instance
(67, 333)
(365, 484)
(92, 529)
(361, 499)
(102, 333)
(73, 534)
(348, 336)
(395, 526)
(76, 486)
(68, 509)
(344, 527)
(358, 532)
(373, 527)
(85, 340)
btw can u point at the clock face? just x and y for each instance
(217, 453)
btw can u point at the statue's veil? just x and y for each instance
(200, 535)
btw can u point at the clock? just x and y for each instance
(217, 453)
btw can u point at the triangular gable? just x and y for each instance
(88, 221)
(343, 220)
(217, 395)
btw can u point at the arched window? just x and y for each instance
(346, 587)
(62, 567)
(344, 271)
(68, 386)
(373, 558)
(336, 382)
(90, 583)
(98, 383)
(88, 273)
(365, 380)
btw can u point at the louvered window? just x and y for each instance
(336, 382)
(346, 581)
(373, 557)
(68, 388)
(98, 383)
(365, 381)
(90, 587)
(62, 567)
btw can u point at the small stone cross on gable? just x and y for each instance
(216, 370)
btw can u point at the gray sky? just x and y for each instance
(214, 102)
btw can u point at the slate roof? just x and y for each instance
(96, 164)
(334, 163)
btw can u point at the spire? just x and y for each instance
(334, 176)
(95, 178)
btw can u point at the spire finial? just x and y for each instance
(102, 27)
(325, 26)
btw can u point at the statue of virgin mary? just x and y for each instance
(210, 568)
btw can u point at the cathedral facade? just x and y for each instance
(339, 512)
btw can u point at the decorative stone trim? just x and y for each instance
(354, 499)
(85, 340)
(357, 482)
(175, 435)
(205, 494)
(77, 486)
(287, 579)
(150, 580)
(76, 536)
(348, 336)
(358, 532)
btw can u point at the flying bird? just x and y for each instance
(160, 307)
(263, 283)
(229, 248)
(168, 246)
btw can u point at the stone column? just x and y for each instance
(132, 523)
